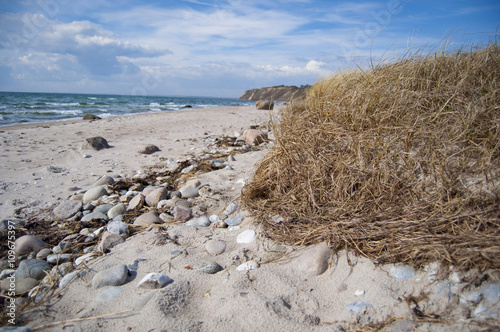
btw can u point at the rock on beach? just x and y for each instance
(114, 276)
(27, 244)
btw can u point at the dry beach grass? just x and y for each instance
(399, 163)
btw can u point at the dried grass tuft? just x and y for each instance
(399, 163)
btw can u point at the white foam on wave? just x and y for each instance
(155, 109)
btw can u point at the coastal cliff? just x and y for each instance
(276, 93)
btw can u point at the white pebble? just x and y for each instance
(359, 292)
(250, 265)
(154, 280)
(247, 236)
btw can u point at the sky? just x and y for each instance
(220, 48)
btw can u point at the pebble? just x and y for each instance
(103, 208)
(32, 268)
(148, 218)
(214, 247)
(7, 273)
(118, 227)
(314, 261)
(67, 209)
(86, 156)
(359, 292)
(42, 254)
(214, 218)
(114, 276)
(154, 281)
(209, 267)
(104, 180)
(136, 203)
(234, 221)
(109, 294)
(108, 241)
(94, 216)
(357, 306)
(94, 194)
(181, 213)
(190, 193)
(27, 244)
(402, 271)
(85, 258)
(198, 222)
(230, 209)
(193, 183)
(156, 195)
(250, 265)
(68, 277)
(58, 258)
(247, 236)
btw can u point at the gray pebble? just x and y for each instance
(67, 209)
(357, 306)
(58, 258)
(103, 208)
(234, 221)
(33, 268)
(199, 222)
(117, 210)
(27, 244)
(214, 247)
(117, 227)
(94, 215)
(93, 194)
(114, 276)
(190, 193)
(209, 267)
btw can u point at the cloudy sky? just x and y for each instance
(217, 48)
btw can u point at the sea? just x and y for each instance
(27, 107)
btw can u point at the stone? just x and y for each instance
(314, 261)
(13, 222)
(104, 180)
(148, 218)
(21, 285)
(214, 247)
(402, 271)
(264, 105)
(67, 278)
(94, 216)
(91, 117)
(27, 244)
(117, 210)
(58, 258)
(234, 221)
(33, 268)
(173, 202)
(136, 203)
(118, 227)
(250, 265)
(214, 218)
(103, 208)
(62, 246)
(190, 193)
(7, 273)
(108, 241)
(357, 306)
(254, 136)
(198, 222)
(247, 236)
(154, 281)
(95, 143)
(209, 267)
(114, 276)
(181, 213)
(94, 194)
(149, 149)
(156, 196)
(67, 209)
(230, 209)
(109, 294)
(85, 258)
(193, 183)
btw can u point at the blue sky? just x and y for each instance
(218, 48)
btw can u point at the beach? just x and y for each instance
(256, 284)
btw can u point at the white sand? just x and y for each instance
(276, 296)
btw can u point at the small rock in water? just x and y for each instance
(198, 222)
(402, 271)
(250, 265)
(247, 236)
(209, 267)
(109, 294)
(114, 276)
(234, 221)
(118, 227)
(27, 244)
(154, 281)
(214, 247)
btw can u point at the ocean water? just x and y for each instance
(21, 107)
